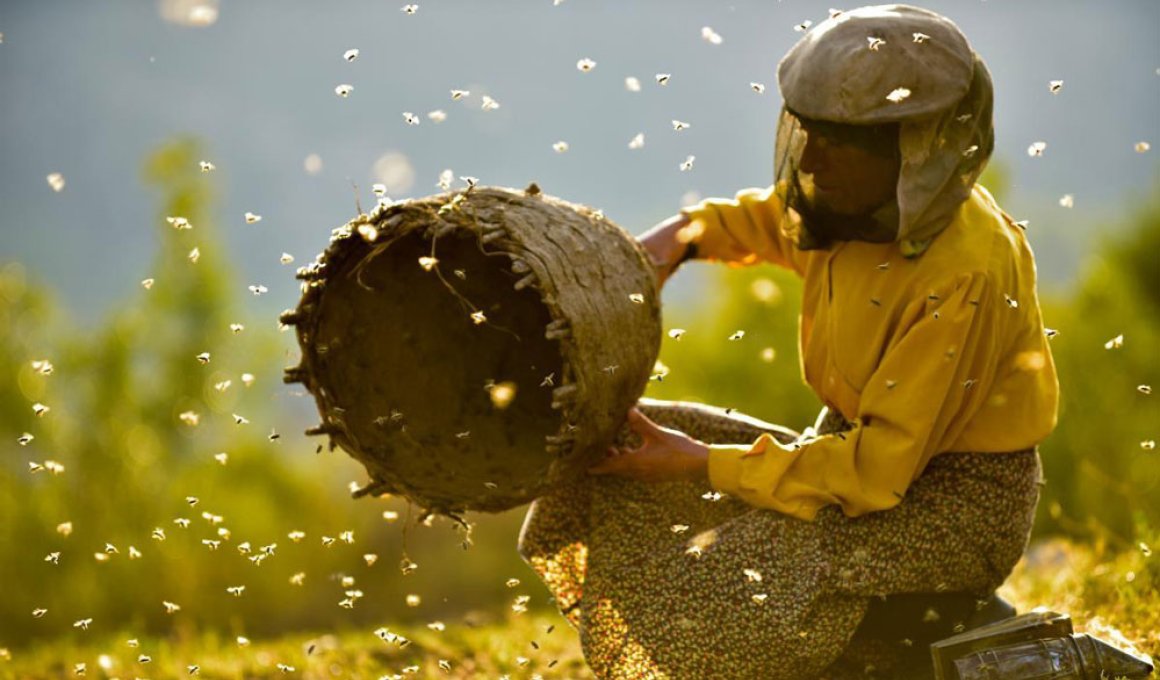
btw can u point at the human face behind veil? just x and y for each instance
(853, 168)
(841, 179)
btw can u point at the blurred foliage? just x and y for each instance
(132, 465)
(758, 374)
(996, 177)
(1103, 476)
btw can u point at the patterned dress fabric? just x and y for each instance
(671, 580)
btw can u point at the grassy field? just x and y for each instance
(1113, 595)
(519, 645)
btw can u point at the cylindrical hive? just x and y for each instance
(472, 349)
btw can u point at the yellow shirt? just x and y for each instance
(942, 352)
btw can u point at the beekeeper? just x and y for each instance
(913, 496)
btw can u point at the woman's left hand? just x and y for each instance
(665, 455)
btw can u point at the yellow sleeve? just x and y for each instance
(744, 230)
(933, 377)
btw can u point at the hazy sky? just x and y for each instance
(89, 87)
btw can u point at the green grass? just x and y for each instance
(519, 645)
(1115, 595)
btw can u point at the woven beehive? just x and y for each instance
(473, 349)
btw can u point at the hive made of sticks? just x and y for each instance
(474, 349)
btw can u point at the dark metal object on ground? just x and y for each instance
(1034, 646)
(473, 349)
(1077, 656)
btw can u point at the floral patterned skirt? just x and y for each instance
(669, 580)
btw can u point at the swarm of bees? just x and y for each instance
(555, 385)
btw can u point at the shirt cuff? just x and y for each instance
(726, 463)
(725, 466)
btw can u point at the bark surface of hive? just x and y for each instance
(401, 370)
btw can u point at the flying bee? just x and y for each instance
(898, 95)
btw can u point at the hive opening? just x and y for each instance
(426, 371)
